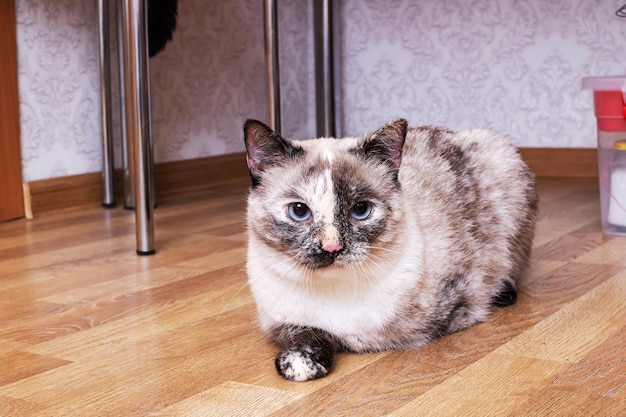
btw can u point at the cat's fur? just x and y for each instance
(162, 17)
(450, 229)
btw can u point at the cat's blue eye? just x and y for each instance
(300, 212)
(361, 210)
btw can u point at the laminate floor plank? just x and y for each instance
(88, 328)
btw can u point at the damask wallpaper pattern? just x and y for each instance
(58, 84)
(514, 65)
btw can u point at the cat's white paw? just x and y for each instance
(299, 365)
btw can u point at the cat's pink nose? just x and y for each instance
(332, 247)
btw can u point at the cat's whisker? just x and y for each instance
(308, 276)
(283, 262)
(354, 273)
(374, 259)
(362, 276)
(284, 272)
(382, 249)
(378, 247)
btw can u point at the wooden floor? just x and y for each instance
(87, 328)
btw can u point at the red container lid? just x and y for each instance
(611, 83)
(609, 98)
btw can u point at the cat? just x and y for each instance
(384, 241)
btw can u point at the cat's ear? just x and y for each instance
(386, 143)
(265, 148)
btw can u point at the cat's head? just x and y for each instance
(325, 201)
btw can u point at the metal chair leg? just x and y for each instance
(137, 103)
(272, 64)
(127, 145)
(108, 181)
(326, 66)
(325, 22)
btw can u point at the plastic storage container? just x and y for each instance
(609, 98)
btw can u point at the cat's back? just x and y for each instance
(476, 163)
(472, 188)
(461, 151)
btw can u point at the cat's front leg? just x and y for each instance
(307, 353)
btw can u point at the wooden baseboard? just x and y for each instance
(562, 162)
(176, 177)
(169, 177)
(28, 206)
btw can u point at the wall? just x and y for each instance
(58, 84)
(513, 65)
(212, 77)
(204, 84)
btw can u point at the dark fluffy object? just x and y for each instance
(162, 16)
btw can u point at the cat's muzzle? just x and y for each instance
(323, 258)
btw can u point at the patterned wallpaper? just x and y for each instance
(514, 65)
(212, 77)
(58, 85)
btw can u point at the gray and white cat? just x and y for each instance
(384, 241)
